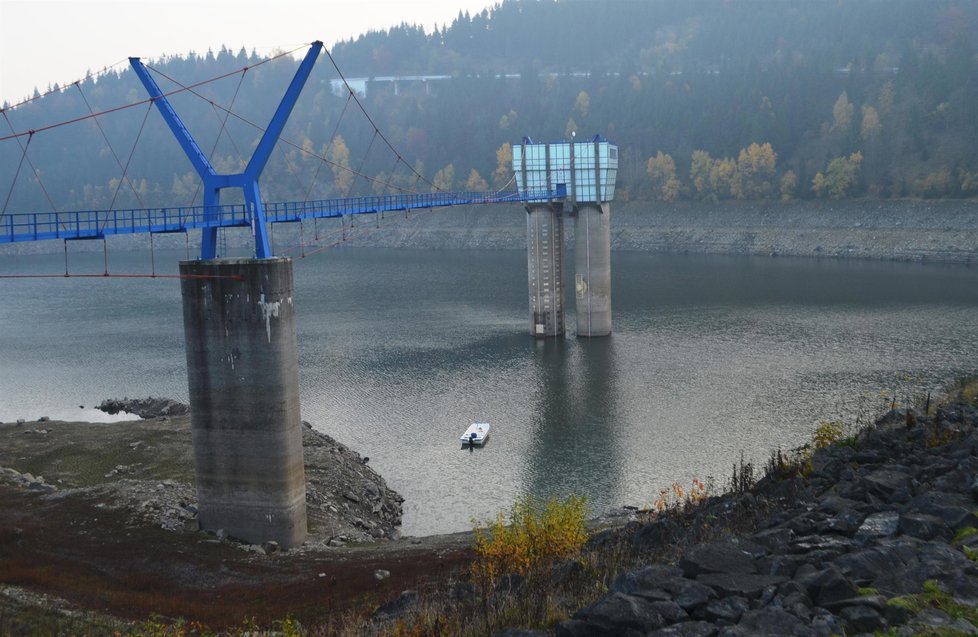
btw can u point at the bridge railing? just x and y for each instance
(325, 208)
(96, 224)
(92, 224)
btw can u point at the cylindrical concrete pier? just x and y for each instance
(592, 271)
(545, 269)
(242, 370)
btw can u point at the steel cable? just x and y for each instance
(109, 145)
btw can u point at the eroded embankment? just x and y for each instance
(146, 467)
(906, 230)
(945, 231)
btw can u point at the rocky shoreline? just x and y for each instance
(874, 533)
(144, 407)
(146, 469)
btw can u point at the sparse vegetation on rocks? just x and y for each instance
(870, 533)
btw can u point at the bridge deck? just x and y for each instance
(97, 224)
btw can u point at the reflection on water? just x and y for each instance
(399, 351)
(576, 445)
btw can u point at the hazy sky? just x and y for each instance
(43, 42)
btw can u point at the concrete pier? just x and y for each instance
(592, 269)
(578, 179)
(545, 269)
(242, 370)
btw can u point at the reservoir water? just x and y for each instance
(400, 350)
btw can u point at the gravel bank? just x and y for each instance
(145, 468)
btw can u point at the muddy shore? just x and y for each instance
(102, 517)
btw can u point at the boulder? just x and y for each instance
(774, 540)
(847, 522)
(828, 585)
(671, 611)
(878, 525)
(862, 619)
(772, 621)
(655, 534)
(694, 595)
(785, 565)
(686, 629)
(749, 585)
(807, 523)
(866, 565)
(834, 504)
(922, 526)
(930, 561)
(887, 483)
(825, 624)
(650, 578)
(622, 612)
(798, 604)
(716, 558)
(579, 628)
(728, 610)
(954, 509)
(372, 490)
(148, 408)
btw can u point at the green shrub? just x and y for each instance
(826, 434)
(536, 537)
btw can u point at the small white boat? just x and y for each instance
(476, 434)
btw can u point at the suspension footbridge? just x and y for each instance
(239, 320)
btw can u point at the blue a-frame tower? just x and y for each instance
(247, 181)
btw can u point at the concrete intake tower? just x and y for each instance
(576, 179)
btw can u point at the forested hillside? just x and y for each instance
(707, 99)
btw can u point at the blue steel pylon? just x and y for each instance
(247, 180)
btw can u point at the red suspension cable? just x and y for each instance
(109, 275)
(145, 101)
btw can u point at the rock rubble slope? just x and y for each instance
(145, 467)
(876, 535)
